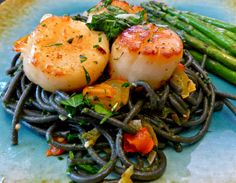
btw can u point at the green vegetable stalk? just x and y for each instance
(204, 27)
(215, 22)
(218, 55)
(216, 68)
(174, 21)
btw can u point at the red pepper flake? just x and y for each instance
(101, 50)
(54, 151)
(141, 142)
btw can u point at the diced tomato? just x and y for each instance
(141, 142)
(54, 151)
(108, 93)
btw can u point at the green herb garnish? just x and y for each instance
(111, 25)
(88, 168)
(74, 101)
(96, 46)
(70, 40)
(107, 2)
(71, 137)
(82, 58)
(126, 84)
(101, 110)
(82, 122)
(87, 76)
(60, 158)
(71, 155)
(54, 44)
(43, 25)
(99, 39)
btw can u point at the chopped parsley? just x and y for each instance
(74, 103)
(111, 24)
(43, 25)
(88, 168)
(71, 137)
(82, 122)
(126, 84)
(54, 44)
(87, 76)
(60, 158)
(107, 2)
(96, 46)
(70, 40)
(99, 39)
(71, 155)
(82, 58)
(101, 110)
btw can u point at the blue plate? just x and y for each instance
(213, 159)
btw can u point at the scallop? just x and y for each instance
(146, 52)
(63, 54)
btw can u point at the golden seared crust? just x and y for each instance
(145, 52)
(126, 6)
(60, 52)
(52, 49)
(151, 40)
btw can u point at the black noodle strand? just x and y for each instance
(41, 112)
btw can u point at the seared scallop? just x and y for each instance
(123, 5)
(146, 52)
(99, 8)
(63, 54)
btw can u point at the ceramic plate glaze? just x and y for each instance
(212, 160)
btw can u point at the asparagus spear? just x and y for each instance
(205, 28)
(216, 68)
(215, 22)
(213, 52)
(211, 65)
(220, 56)
(226, 28)
(223, 31)
(180, 24)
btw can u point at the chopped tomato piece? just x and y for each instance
(141, 142)
(108, 93)
(54, 151)
(181, 80)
